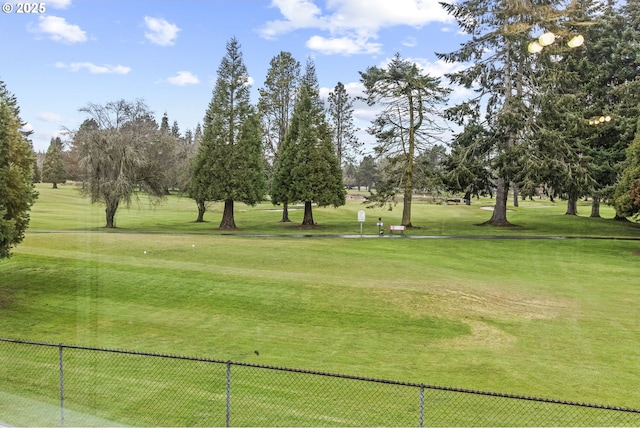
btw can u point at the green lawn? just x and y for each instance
(553, 318)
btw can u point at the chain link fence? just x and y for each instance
(43, 384)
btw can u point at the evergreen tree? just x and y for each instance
(37, 176)
(17, 194)
(277, 99)
(164, 124)
(175, 130)
(197, 134)
(229, 164)
(367, 173)
(501, 75)
(627, 191)
(429, 170)
(467, 169)
(341, 120)
(410, 101)
(53, 170)
(307, 169)
(611, 63)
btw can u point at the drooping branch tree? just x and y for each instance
(467, 168)
(116, 146)
(229, 164)
(17, 194)
(409, 121)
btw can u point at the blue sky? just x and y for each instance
(167, 52)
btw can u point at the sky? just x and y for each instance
(64, 54)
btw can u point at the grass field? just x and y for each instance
(544, 317)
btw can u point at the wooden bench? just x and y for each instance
(455, 201)
(397, 228)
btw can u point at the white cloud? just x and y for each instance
(60, 30)
(160, 31)
(58, 4)
(354, 89)
(351, 23)
(297, 13)
(410, 42)
(47, 116)
(342, 45)
(93, 68)
(183, 78)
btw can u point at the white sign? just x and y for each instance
(361, 216)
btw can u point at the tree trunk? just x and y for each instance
(308, 215)
(228, 221)
(619, 217)
(201, 209)
(595, 207)
(406, 208)
(516, 194)
(110, 212)
(467, 198)
(408, 186)
(572, 205)
(55, 185)
(499, 216)
(285, 212)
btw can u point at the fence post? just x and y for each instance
(228, 394)
(61, 385)
(421, 406)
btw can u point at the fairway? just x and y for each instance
(542, 317)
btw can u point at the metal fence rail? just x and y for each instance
(55, 384)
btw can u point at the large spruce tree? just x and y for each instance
(307, 169)
(229, 164)
(16, 174)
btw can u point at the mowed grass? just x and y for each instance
(64, 209)
(553, 318)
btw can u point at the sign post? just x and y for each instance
(361, 218)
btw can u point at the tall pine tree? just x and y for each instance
(229, 164)
(341, 120)
(276, 102)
